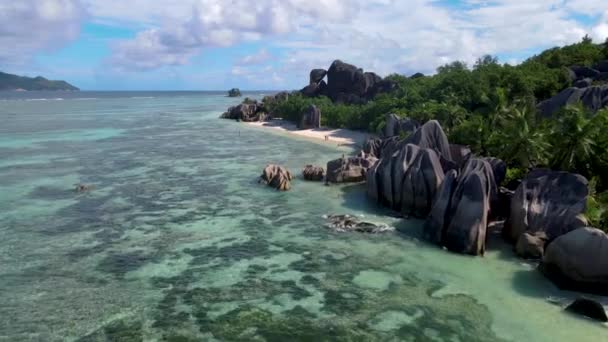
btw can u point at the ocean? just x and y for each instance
(178, 242)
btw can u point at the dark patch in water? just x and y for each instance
(118, 264)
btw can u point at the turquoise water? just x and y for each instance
(178, 242)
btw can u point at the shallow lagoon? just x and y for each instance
(178, 242)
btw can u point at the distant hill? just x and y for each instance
(14, 82)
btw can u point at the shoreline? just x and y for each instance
(335, 137)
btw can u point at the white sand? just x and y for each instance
(331, 136)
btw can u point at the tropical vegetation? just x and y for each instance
(491, 107)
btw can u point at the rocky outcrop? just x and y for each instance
(311, 118)
(373, 147)
(434, 226)
(499, 168)
(349, 170)
(248, 111)
(531, 246)
(466, 221)
(317, 75)
(548, 202)
(313, 173)
(431, 136)
(277, 177)
(460, 154)
(593, 98)
(348, 223)
(407, 180)
(588, 308)
(578, 261)
(346, 84)
(396, 126)
(234, 92)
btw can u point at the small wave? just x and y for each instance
(53, 99)
(86, 98)
(142, 97)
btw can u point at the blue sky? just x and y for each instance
(272, 44)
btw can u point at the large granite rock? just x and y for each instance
(395, 126)
(601, 66)
(548, 202)
(584, 83)
(373, 147)
(584, 72)
(317, 75)
(313, 173)
(593, 98)
(434, 226)
(431, 135)
(531, 246)
(234, 92)
(349, 170)
(311, 118)
(578, 261)
(277, 177)
(460, 214)
(499, 168)
(588, 308)
(346, 84)
(460, 154)
(407, 180)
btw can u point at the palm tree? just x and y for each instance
(520, 140)
(576, 135)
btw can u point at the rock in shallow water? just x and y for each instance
(349, 223)
(277, 177)
(578, 261)
(313, 173)
(589, 308)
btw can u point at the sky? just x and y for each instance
(273, 44)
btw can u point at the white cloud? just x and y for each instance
(262, 56)
(28, 26)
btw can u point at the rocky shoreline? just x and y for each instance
(414, 170)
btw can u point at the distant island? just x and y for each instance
(23, 83)
(234, 92)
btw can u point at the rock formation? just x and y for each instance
(348, 223)
(407, 180)
(311, 118)
(346, 84)
(578, 261)
(395, 126)
(252, 110)
(461, 212)
(277, 177)
(588, 308)
(349, 170)
(591, 96)
(313, 173)
(547, 202)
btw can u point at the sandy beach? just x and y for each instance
(340, 137)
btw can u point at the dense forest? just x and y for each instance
(491, 107)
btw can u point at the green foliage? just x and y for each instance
(515, 173)
(597, 207)
(491, 108)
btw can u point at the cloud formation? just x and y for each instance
(384, 35)
(28, 26)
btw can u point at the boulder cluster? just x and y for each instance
(234, 92)
(252, 110)
(346, 84)
(588, 88)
